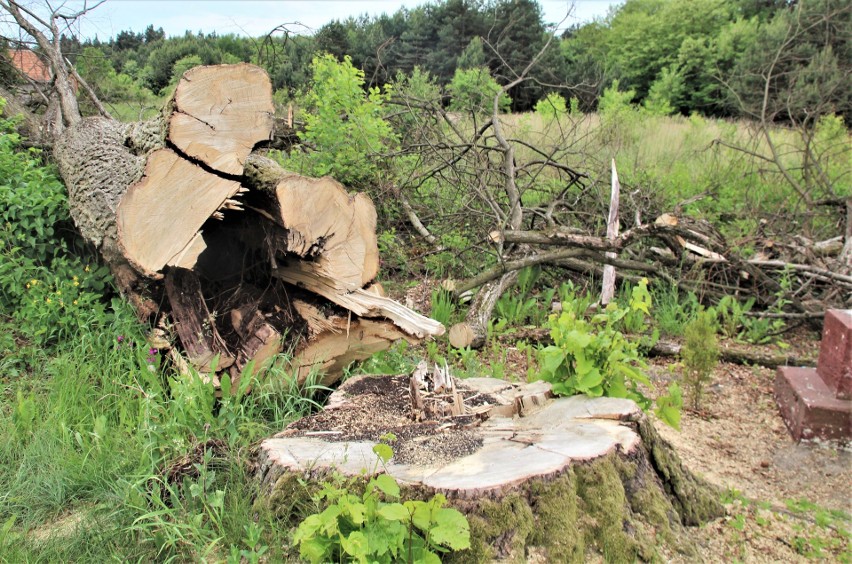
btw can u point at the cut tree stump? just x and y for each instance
(217, 244)
(558, 479)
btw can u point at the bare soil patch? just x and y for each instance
(739, 442)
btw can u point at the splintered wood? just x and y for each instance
(243, 259)
(435, 396)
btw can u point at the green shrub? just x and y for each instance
(473, 90)
(595, 358)
(344, 129)
(551, 106)
(47, 288)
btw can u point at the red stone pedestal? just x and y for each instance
(815, 403)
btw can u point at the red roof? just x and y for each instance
(30, 64)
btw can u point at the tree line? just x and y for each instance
(714, 57)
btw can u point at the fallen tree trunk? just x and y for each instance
(209, 237)
(552, 480)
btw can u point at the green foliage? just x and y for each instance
(700, 354)
(520, 306)
(443, 306)
(376, 527)
(593, 357)
(44, 285)
(673, 310)
(182, 65)
(344, 128)
(396, 360)
(474, 90)
(665, 93)
(732, 315)
(553, 106)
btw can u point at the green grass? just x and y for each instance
(86, 429)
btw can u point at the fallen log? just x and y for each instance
(568, 479)
(242, 259)
(738, 355)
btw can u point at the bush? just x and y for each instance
(44, 286)
(473, 90)
(551, 106)
(595, 358)
(344, 128)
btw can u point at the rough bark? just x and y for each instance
(555, 479)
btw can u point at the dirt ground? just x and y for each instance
(784, 499)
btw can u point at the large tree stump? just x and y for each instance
(561, 479)
(208, 237)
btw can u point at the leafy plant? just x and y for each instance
(700, 354)
(672, 310)
(551, 106)
(50, 290)
(732, 315)
(344, 129)
(375, 527)
(473, 90)
(521, 306)
(594, 358)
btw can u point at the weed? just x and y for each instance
(594, 357)
(443, 306)
(396, 360)
(732, 315)
(673, 311)
(374, 526)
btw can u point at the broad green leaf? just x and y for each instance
(394, 512)
(388, 485)
(383, 451)
(452, 529)
(589, 380)
(669, 415)
(551, 358)
(356, 545)
(421, 514)
(315, 550)
(386, 537)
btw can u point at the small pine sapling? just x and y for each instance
(700, 355)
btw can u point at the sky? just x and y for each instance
(258, 17)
